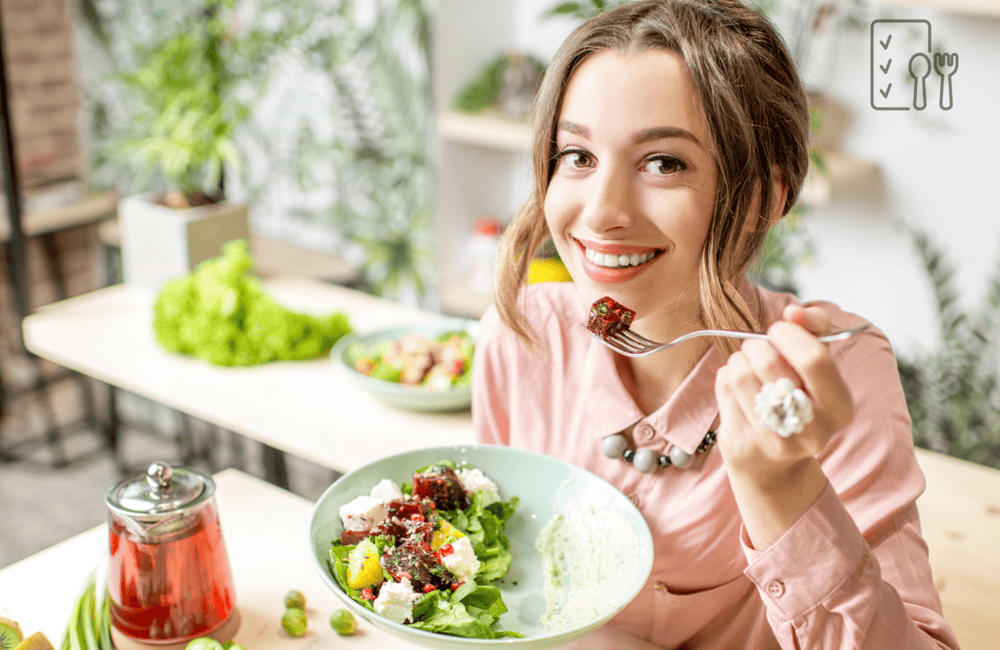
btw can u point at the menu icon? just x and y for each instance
(891, 51)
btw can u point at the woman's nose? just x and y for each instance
(608, 203)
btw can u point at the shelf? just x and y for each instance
(488, 129)
(844, 173)
(92, 208)
(974, 7)
(272, 257)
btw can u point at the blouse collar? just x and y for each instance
(685, 418)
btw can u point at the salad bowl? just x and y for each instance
(545, 487)
(349, 348)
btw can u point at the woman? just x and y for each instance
(670, 135)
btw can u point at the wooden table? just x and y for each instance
(960, 518)
(266, 530)
(309, 408)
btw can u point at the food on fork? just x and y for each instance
(608, 317)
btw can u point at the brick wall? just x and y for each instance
(80, 261)
(44, 95)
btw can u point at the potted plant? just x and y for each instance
(182, 136)
(953, 393)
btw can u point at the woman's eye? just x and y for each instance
(664, 165)
(576, 158)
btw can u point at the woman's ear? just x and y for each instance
(779, 196)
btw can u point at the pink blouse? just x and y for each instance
(852, 572)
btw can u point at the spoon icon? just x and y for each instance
(920, 79)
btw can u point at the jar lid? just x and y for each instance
(160, 491)
(487, 225)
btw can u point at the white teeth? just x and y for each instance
(612, 261)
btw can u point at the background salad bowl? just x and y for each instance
(346, 352)
(545, 487)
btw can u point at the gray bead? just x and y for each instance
(646, 460)
(680, 458)
(614, 446)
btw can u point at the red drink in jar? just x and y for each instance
(168, 576)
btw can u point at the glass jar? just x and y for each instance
(169, 578)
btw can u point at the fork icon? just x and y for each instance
(946, 66)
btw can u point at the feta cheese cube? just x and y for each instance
(386, 491)
(462, 561)
(395, 601)
(363, 513)
(473, 480)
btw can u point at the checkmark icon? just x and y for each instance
(898, 38)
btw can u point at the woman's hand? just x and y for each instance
(776, 479)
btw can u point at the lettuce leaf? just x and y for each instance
(336, 557)
(484, 526)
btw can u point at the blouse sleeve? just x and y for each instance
(853, 571)
(490, 422)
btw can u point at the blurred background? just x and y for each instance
(391, 136)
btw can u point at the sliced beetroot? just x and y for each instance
(352, 537)
(442, 486)
(415, 561)
(608, 317)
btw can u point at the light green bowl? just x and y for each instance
(411, 398)
(544, 486)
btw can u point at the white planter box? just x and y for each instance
(161, 243)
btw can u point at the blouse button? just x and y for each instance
(774, 588)
(659, 586)
(646, 431)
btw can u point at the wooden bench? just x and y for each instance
(960, 518)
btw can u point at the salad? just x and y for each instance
(437, 364)
(428, 553)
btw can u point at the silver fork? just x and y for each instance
(630, 344)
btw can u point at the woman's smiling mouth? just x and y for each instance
(609, 263)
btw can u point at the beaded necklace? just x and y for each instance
(646, 460)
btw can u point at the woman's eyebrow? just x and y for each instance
(574, 128)
(646, 135)
(661, 132)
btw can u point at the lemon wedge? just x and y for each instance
(363, 568)
(444, 534)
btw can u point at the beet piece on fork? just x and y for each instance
(608, 317)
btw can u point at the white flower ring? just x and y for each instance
(783, 408)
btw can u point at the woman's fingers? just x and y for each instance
(743, 383)
(813, 319)
(810, 361)
(766, 362)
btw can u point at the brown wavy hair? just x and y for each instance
(756, 111)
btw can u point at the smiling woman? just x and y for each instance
(633, 182)
(670, 136)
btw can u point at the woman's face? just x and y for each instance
(631, 197)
